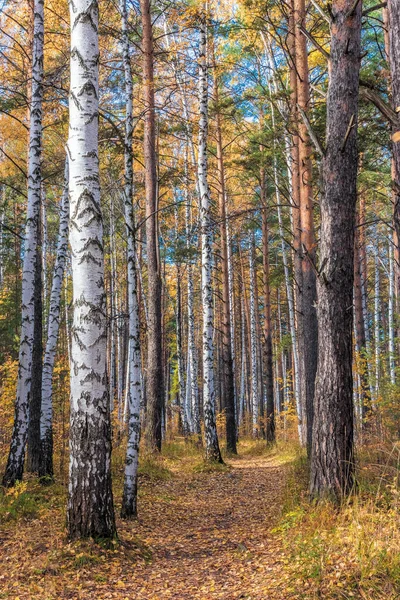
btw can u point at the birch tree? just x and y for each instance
(212, 451)
(15, 463)
(46, 415)
(90, 502)
(129, 501)
(253, 337)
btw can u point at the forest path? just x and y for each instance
(200, 535)
(210, 534)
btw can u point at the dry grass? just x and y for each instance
(351, 551)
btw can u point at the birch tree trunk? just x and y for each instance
(253, 338)
(268, 356)
(179, 352)
(192, 362)
(360, 324)
(33, 442)
(154, 381)
(90, 502)
(232, 315)
(46, 417)
(291, 309)
(15, 463)
(129, 499)
(332, 458)
(212, 451)
(242, 386)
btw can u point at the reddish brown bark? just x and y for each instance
(309, 327)
(154, 381)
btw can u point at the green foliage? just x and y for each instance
(18, 502)
(153, 468)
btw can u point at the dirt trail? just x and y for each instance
(210, 534)
(199, 536)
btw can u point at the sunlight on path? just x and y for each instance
(210, 534)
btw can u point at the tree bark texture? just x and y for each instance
(90, 510)
(332, 459)
(155, 373)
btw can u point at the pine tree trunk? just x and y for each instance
(90, 503)
(393, 7)
(46, 419)
(228, 401)
(212, 451)
(309, 325)
(332, 459)
(295, 185)
(155, 373)
(15, 463)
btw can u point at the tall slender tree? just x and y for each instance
(129, 500)
(307, 314)
(46, 416)
(90, 502)
(394, 63)
(332, 458)
(228, 386)
(268, 355)
(154, 379)
(212, 451)
(15, 463)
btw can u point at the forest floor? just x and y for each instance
(201, 534)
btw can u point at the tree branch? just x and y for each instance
(311, 132)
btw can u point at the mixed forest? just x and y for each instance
(200, 299)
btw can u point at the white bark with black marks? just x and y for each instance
(46, 417)
(15, 464)
(129, 501)
(90, 501)
(255, 401)
(212, 450)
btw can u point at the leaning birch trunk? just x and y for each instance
(212, 451)
(15, 463)
(90, 502)
(253, 338)
(46, 417)
(332, 456)
(129, 500)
